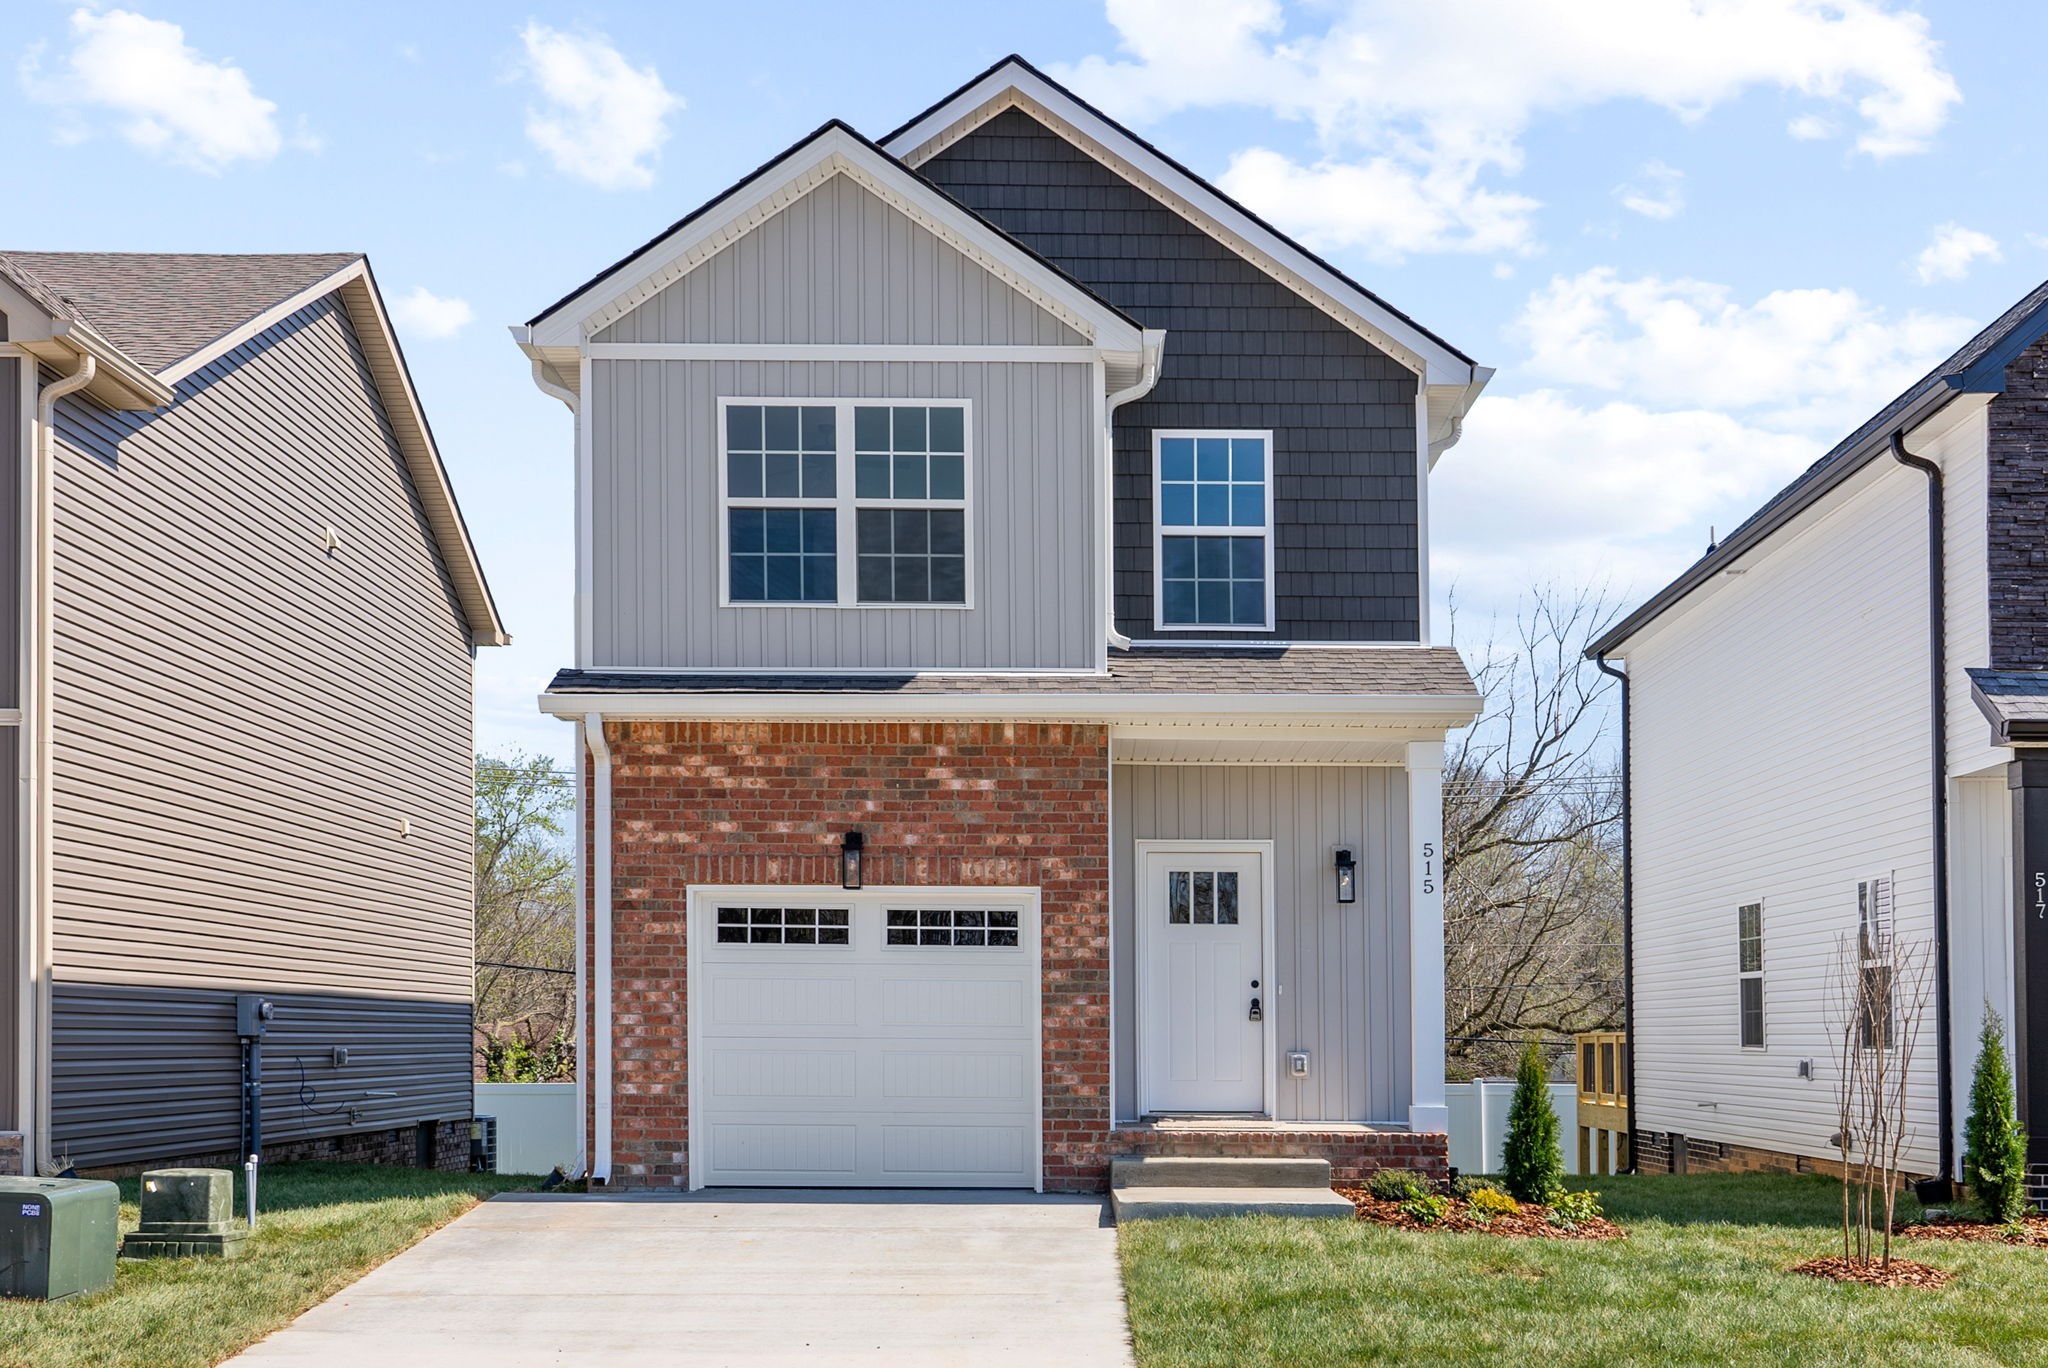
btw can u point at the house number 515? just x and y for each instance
(1428, 867)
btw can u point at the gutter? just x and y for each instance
(601, 1009)
(1155, 344)
(1628, 915)
(1937, 657)
(40, 770)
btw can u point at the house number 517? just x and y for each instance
(1428, 867)
(2040, 896)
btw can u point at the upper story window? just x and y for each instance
(846, 502)
(1213, 534)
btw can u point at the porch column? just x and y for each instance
(2027, 778)
(1426, 1108)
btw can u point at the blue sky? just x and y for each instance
(1699, 241)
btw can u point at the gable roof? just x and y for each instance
(834, 148)
(1977, 367)
(164, 316)
(1014, 81)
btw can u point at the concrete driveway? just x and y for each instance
(766, 1277)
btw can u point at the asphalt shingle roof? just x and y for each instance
(2014, 700)
(159, 307)
(1181, 670)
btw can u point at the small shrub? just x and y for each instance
(1397, 1185)
(1465, 1184)
(1427, 1209)
(1534, 1167)
(1570, 1210)
(1486, 1204)
(1995, 1148)
(2014, 1230)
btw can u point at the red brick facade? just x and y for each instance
(767, 803)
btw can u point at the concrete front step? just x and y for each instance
(1172, 1171)
(1155, 1203)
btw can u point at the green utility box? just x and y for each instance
(186, 1213)
(57, 1236)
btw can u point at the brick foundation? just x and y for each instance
(1667, 1152)
(964, 804)
(1353, 1154)
(398, 1146)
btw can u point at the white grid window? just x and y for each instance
(784, 926)
(1749, 935)
(951, 927)
(854, 503)
(1212, 499)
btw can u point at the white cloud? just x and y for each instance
(1420, 102)
(1814, 359)
(604, 121)
(1811, 127)
(422, 313)
(1950, 252)
(1656, 192)
(167, 97)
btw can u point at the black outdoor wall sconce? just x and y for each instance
(1347, 876)
(849, 861)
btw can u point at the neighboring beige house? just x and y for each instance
(238, 610)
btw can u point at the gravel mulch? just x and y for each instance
(1898, 1273)
(1531, 1223)
(2029, 1230)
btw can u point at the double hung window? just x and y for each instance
(1213, 530)
(1749, 938)
(848, 502)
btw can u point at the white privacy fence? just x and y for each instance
(536, 1124)
(1479, 1123)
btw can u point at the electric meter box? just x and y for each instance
(57, 1236)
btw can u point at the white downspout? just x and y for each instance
(582, 919)
(1147, 378)
(41, 703)
(601, 1007)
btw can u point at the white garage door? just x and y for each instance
(872, 1039)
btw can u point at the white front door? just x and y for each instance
(1203, 984)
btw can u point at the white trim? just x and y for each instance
(847, 503)
(1160, 533)
(1430, 713)
(1269, 644)
(28, 1034)
(698, 896)
(1422, 468)
(840, 352)
(10, 717)
(213, 351)
(1195, 200)
(586, 523)
(872, 671)
(1427, 1109)
(581, 912)
(833, 151)
(1269, 1019)
(601, 838)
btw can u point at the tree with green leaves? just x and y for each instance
(1994, 1146)
(525, 925)
(1534, 1166)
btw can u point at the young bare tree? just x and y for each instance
(524, 903)
(1532, 840)
(1878, 998)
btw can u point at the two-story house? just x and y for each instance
(238, 617)
(1003, 661)
(1834, 730)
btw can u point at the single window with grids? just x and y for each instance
(910, 497)
(1750, 973)
(1201, 897)
(952, 926)
(781, 488)
(784, 926)
(1215, 545)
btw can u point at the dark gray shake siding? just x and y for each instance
(1242, 351)
(263, 773)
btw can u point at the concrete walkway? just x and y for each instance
(814, 1278)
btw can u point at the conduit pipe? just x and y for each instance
(601, 899)
(38, 773)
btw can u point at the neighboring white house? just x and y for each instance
(1784, 745)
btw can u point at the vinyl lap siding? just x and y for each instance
(244, 722)
(840, 266)
(1961, 453)
(1242, 351)
(1780, 755)
(1342, 971)
(656, 521)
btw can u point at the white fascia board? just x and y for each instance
(1012, 84)
(834, 151)
(269, 318)
(121, 381)
(1428, 712)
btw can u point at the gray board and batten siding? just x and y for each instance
(1342, 968)
(839, 267)
(264, 769)
(1242, 352)
(11, 458)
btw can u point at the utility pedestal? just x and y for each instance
(186, 1212)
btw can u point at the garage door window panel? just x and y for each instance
(784, 926)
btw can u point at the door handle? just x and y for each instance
(1257, 1013)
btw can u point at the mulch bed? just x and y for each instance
(2031, 1230)
(1899, 1273)
(1531, 1223)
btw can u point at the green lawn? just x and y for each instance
(322, 1226)
(1700, 1281)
